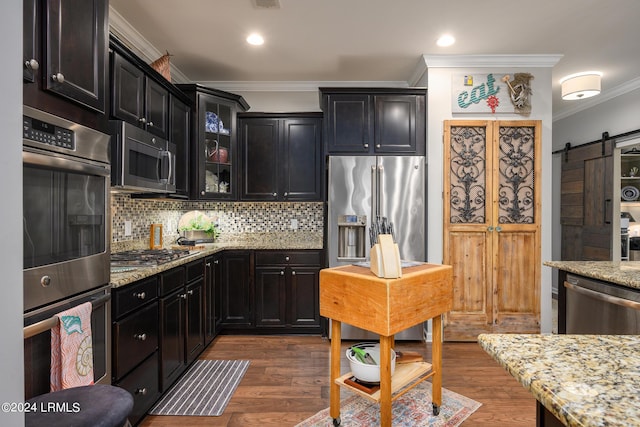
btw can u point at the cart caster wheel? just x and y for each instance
(436, 410)
(336, 422)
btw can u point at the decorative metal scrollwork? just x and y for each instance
(516, 194)
(467, 174)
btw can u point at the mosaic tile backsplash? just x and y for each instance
(231, 217)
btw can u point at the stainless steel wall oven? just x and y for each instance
(66, 227)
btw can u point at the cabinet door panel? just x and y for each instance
(78, 62)
(237, 293)
(135, 337)
(127, 100)
(195, 319)
(172, 336)
(395, 124)
(180, 135)
(270, 296)
(157, 107)
(30, 42)
(259, 142)
(348, 123)
(304, 302)
(301, 173)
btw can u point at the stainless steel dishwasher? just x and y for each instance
(597, 307)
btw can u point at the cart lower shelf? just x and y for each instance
(405, 377)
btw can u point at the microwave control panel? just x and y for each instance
(46, 133)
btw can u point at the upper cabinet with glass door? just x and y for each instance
(630, 174)
(214, 144)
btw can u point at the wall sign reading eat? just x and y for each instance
(480, 93)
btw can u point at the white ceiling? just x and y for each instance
(328, 42)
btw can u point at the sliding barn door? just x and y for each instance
(492, 226)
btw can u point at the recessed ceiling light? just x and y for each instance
(255, 39)
(446, 40)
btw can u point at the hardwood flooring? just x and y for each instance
(288, 381)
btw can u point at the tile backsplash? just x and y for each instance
(231, 217)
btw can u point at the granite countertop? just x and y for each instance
(246, 241)
(584, 380)
(626, 273)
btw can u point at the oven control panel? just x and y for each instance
(46, 133)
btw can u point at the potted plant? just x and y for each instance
(197, 226)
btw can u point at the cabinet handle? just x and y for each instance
(281, 272)
(216, 262)
(208, 265)
(183, 296)
(293, 273)
(377, 145)
(58, 77)
(366, 145)
(202, 193)
(32, 64)
(285, 194)
(498, 229)
(286, 258)
(142, 391)
(489, 228)
(142, 120)
(140, 337)
(140, 295)
(190, 292)
(275, 194)
(150, 124)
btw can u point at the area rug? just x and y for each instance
(412, 409)
(204, 390)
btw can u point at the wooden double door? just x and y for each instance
(492, 226)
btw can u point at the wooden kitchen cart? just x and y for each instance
(356, 296)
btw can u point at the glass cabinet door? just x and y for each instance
(217, 149)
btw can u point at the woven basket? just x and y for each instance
(162, 66)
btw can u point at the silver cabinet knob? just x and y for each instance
(377, 145)
(275, 194)
(140, 337)
(141, 391)
(202, 193)
(286, 194)
(150, 124)
(183, 296)
(58, 77)
(293, 273)
(208, 264)
(281, 273)
(190, 292)
(142, 120)
(286, 258)
(366, 145)
(32, 64)
(140, 295)
(216, 261)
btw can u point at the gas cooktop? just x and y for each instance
(146, 257)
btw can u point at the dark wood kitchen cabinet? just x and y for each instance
(372, 121)
(181, 320)
(180, 135)
(137, 98)
(213, 297)
(214, 157)
(586, 202)
(135, 343)
(237, 290)
(65, 58)
(287, 291)
(281, 157)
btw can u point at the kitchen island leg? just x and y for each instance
(334, 388)
(436, 356)
(385, 380)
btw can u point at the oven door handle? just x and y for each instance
(603, 297)
(64, 163)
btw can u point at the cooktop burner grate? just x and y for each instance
(147, 257)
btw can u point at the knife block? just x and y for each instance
(385, 258)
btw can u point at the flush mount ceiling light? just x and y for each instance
(446, 40)
(255, 39)
(581, 85)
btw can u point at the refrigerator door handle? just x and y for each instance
(381, 205)
(374, 195)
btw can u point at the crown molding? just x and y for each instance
(294, 86)
(127, 34)
(451, 61)
(627, 87)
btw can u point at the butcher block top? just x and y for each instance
(354, 295)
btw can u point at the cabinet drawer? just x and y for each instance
(142, 383)
(133, 296)
(171, 280)
(134, 338)
(288, 258)
(195, 269)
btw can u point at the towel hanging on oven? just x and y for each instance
(72, 349)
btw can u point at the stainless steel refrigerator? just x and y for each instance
(363, 188)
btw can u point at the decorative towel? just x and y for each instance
(71, 349)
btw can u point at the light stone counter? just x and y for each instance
(626, 273)
(246, 241)
(584, 380)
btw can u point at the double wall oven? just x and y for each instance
(66, 237)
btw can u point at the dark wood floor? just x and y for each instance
(288, 381)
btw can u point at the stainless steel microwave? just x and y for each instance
(141, 162)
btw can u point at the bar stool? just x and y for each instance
(96, 405)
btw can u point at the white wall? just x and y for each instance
(439, 109)
(11, 349)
